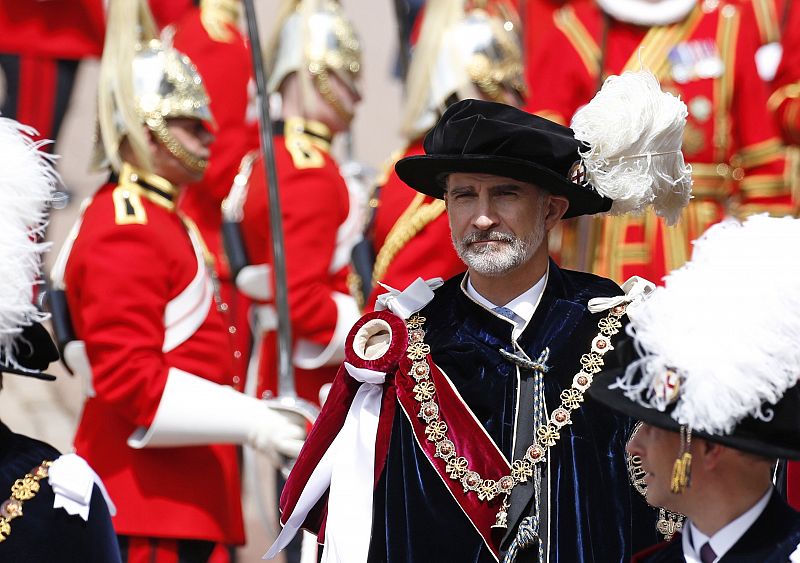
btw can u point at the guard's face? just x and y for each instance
(340, 94)
(195, 138)
(498, 224)
(658, 449)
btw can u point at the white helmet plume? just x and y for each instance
(27, 183)
(634, 132)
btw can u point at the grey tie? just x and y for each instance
(707, 554)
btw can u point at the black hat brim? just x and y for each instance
(426, 174)
(750, 435)
(36, 351)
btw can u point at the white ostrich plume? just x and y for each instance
(727, 322)
(27, 183)
(634, 132)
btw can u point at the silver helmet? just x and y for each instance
(466, 50)
(144, 81)
(316, 36)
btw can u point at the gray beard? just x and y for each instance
(492, 261)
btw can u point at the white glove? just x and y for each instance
(194, 411)
(277, 433)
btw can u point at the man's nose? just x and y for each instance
(485, 217)
(634, 445)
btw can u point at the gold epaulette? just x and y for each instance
(307, 142)
(135, 184)
(128, 207)
(22, 490)
(217, 15)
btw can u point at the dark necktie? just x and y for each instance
(707, 554)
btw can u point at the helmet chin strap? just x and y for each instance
(190, 160)
(324, 87)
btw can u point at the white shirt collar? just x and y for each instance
(726, 537)
(524, 305)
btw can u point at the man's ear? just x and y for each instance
(712, 452)
(556, 207)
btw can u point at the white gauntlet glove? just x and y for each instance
(277, 433)
(194, 411)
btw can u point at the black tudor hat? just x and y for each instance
(493, 138)
(622, 155)
(777, 434)
(715, 349)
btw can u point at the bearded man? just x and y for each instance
(470, 399)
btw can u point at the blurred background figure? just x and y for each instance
(315, 58)
(463, 49)
(785, 99)
(313, 63)
(703, 51)
(209, 35)
(163, 411)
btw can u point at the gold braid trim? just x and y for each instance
(727, 34)
(22, 490)
(767, 21)
(757, 154)
(785, 92)
(653, 51)
(585, 45)
(765, 185)
(547, 435)
(415, 218)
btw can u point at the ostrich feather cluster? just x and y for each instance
(634, 132)
(727, 322)
(27, 183)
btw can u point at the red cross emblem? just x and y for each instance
(667, 386)
(577, 173)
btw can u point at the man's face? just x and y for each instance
(346, 97)
(497, 224)
(658, 450)
(195, 138)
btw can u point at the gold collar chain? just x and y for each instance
(546, 436)
(22, 490)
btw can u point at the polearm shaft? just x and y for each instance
(286, 387)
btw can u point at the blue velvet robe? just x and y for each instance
(44, 534)
(595, 514)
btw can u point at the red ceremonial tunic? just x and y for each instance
(785, 100)
(738, 163)
(314, 204)
(133, 256)
(411, 235)
(225, 68)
